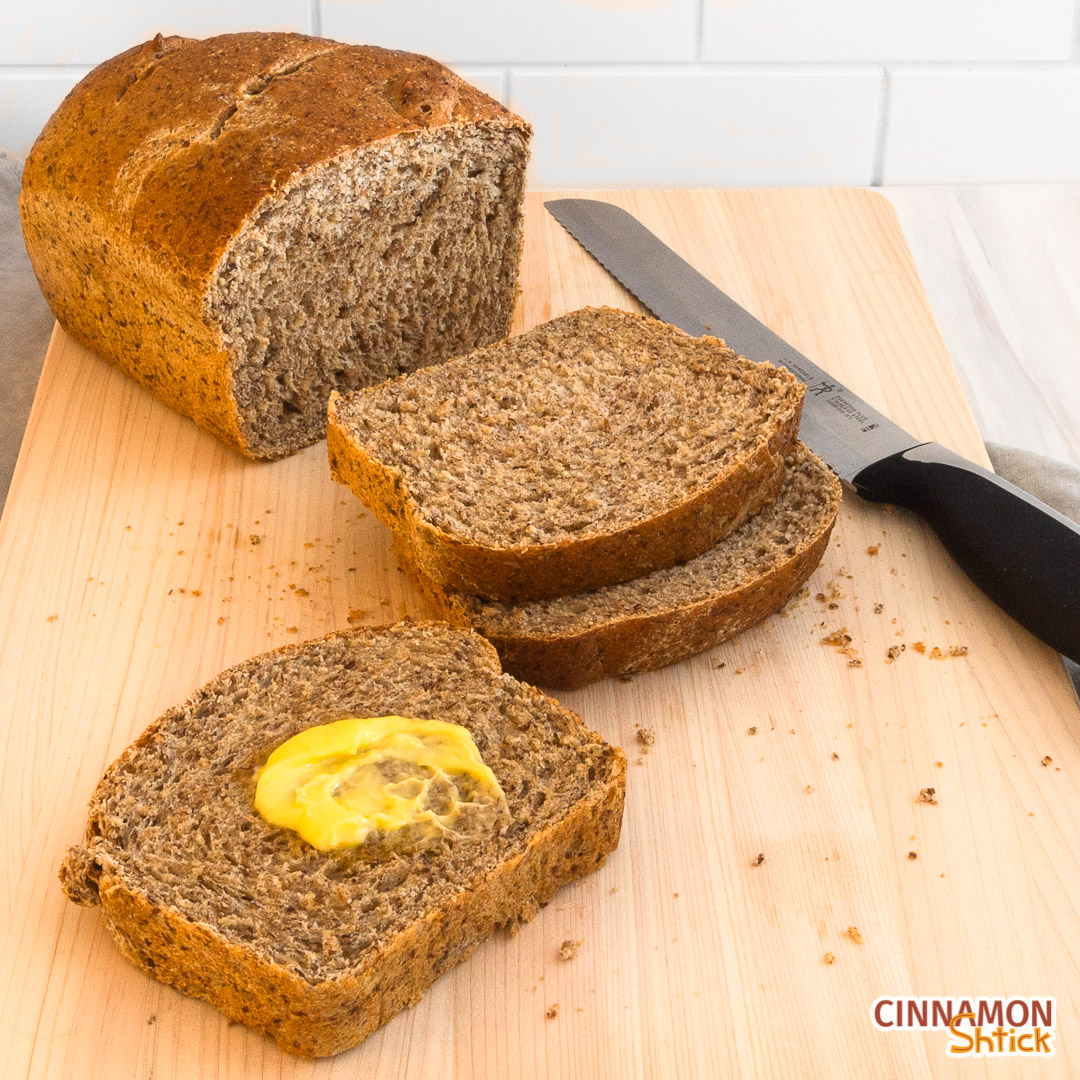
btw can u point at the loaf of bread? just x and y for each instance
(667, 615)
(590, 450)
(318, 948)
(246, 223)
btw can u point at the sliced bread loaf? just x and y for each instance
(667, 615)
(588, 451)
(318, 948)
(245, 223)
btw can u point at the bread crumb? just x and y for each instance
(872, 549)
(196, 592)
(221, 620)
(809, 789)
(958, 650)
(912, 854)
(356, 614)
(569, 949)
(836, 756)
(292, 629)
(1048, 760)
(646, 736)
(52, 618)
(254, 538)
(751, 731)
(838, 638)
(940, 764)
(758, 859)
(722, 664)
(879, 608)
(153, 1016)
(739, 670)
(552, 1012)
(828, 958)
(852, 933)
(893, 652)
(613, 889)
(919, 646)
(926, 795)
(855, 661)
(302, 592)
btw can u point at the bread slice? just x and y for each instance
(317, 949)
(247, 222)
(588, 451)
(667, 615)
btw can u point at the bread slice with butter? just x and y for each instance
(317, 948)
(667, 615)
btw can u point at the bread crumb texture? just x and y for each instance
(317, 949)
(569, 948)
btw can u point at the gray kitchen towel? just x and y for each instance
(25, 324)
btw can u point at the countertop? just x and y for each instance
(1001, 265)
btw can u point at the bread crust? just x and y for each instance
(160, 158)
(544, 571)
(318, 1018)
(634, 643)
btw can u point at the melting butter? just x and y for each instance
(336, 783)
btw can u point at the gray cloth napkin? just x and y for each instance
(25, 324)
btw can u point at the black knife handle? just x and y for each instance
(1022, 553)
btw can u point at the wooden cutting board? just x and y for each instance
(138, 557)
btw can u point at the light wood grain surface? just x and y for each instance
(128, 577)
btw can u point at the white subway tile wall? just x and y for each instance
(522, 31)
(963, 125)
(668, 92)
(887, 30)
(700, 129)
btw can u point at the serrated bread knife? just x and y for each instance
(1024, 555)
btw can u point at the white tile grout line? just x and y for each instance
(316, 19)
(1074, 52)
(882, 132)
(699, 28)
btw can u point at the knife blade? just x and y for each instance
(1023, 554)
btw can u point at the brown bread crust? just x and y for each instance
(641, 643)
(521, 572)
(308, 1010)
(637, 643)
(162, 155)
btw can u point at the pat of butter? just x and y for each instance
(336, 783)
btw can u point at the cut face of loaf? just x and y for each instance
(318, 948)
(588, 451)
(246, 223)
(670, 614)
